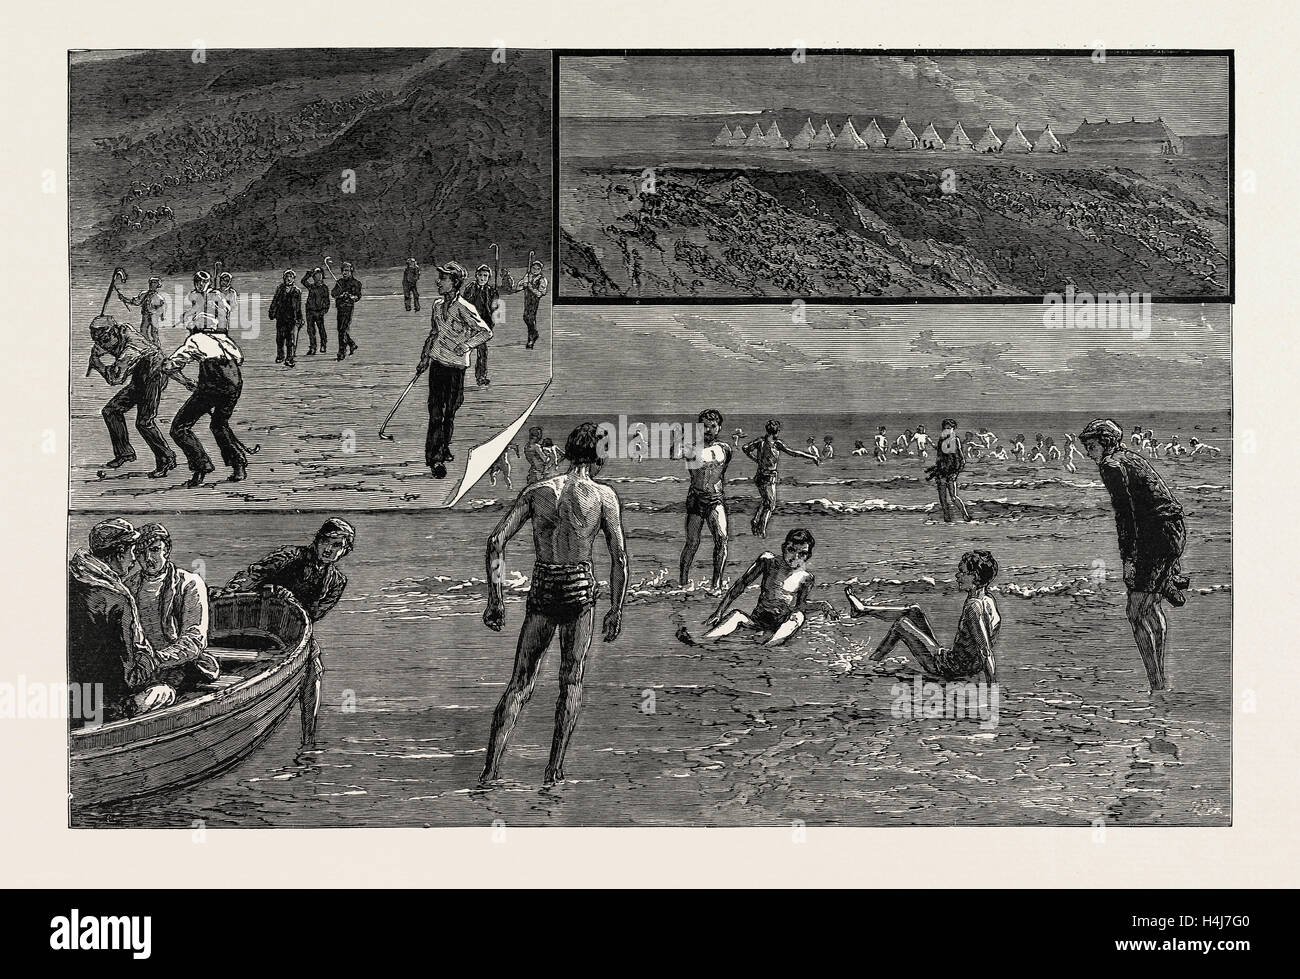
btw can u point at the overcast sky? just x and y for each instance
(1191, 94)
(751, 358)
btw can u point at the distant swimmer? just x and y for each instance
(783, 594)
(1198, 447)
(736, 436)
(502, 465)
(1018, 448)
(1071, 452)
(1053, 453)
(859, 447)
(987, 437)
(1152, 535)
(1149, 447)
(903, 444)
(1036, 453)
(766, 451)
(881, 453)
(568, 512)
(1136, 438)
(706, 499)
(828, 447)
(1000, 453)
(922, 442)
(812, 449)
(972, 652)
(538, 459)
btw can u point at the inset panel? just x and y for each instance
(926, 175)
(298, 205)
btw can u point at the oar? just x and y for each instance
(382, 434)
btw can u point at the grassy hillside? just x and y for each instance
(449, 151)
(1007, 230)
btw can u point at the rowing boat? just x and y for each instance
(264, 644)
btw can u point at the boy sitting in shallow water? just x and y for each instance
(782, 598)
(971, 652)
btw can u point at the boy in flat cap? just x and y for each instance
(411, 284)
(286, 311)
(153, 307)
(346, 292)
(486, 300)
(318, 304)
(534, 287)
(172, 605)
(455, 328)
(310, 576)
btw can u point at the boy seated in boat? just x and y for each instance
(172, 605)
(782, 597)
(971, 652)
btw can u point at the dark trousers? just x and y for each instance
(286, 341)
(142, 392)
(411, 293)
(345, 329)
(315, 327)
(480, 363)
(220, 400)
(446, 395)
(530, 321)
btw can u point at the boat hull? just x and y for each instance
(201, 736)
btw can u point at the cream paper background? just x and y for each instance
(1260, 849)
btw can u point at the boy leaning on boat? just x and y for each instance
(138, 634)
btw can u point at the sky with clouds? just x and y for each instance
(750, 358)
(1190, 93)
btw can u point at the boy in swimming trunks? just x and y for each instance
(859, 447)
(767, 453)
(881, 445)
(972, 650)
(1071, 451)
(568, 511)
(783, 594)
(922, 441)
(949, 461)
(539, 461)
(502, 466)
(706, 500)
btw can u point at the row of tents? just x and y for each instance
(872, 137)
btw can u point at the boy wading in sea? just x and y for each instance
(706, 499)
(971, 652)
(568, 512)
(1152, 535)
(782, 598)
(948, 464)
(766, 451)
